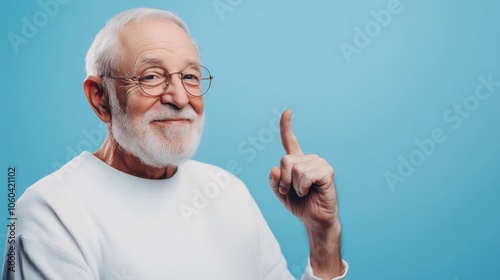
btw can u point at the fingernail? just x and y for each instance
(282, 190)
(271, 180)
(299, 193)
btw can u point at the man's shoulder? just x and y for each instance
(39, 199)
(53, 184)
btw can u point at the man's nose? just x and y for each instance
(176, 93)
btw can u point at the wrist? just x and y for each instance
(325, 250)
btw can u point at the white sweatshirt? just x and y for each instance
(91, 221)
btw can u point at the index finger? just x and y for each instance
(288, 139)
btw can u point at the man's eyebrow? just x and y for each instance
(148, 61)
(192, 62)
(159, 61)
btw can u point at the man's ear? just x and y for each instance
(92, 86)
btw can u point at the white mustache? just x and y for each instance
(168, 112)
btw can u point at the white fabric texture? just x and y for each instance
(91, 221)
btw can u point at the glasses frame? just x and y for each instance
(169, 76)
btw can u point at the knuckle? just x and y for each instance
(331, 171)
(306, 179)
(311, 156)
(323, 160)
(286, 161)
(299, 170)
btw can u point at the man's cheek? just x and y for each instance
(198, 105)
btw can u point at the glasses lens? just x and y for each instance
(196, 80)
(153, 81)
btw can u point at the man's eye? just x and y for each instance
(152, 76)
(190, 77)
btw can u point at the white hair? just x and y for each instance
(102, 55)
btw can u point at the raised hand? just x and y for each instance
(305, 185)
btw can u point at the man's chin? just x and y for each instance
(159, 148)
(173, 151)
(178, 131)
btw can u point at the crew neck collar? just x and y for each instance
(131, 183)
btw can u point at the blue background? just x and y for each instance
(440, 222)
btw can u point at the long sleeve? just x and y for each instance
(36, 260)
(45, 246)
(309, 275)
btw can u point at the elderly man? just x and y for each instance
(139, 208)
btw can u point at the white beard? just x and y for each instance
(168, 145)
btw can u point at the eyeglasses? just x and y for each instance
(154, 81)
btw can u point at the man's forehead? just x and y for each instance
(157, 42)
(160, 61)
